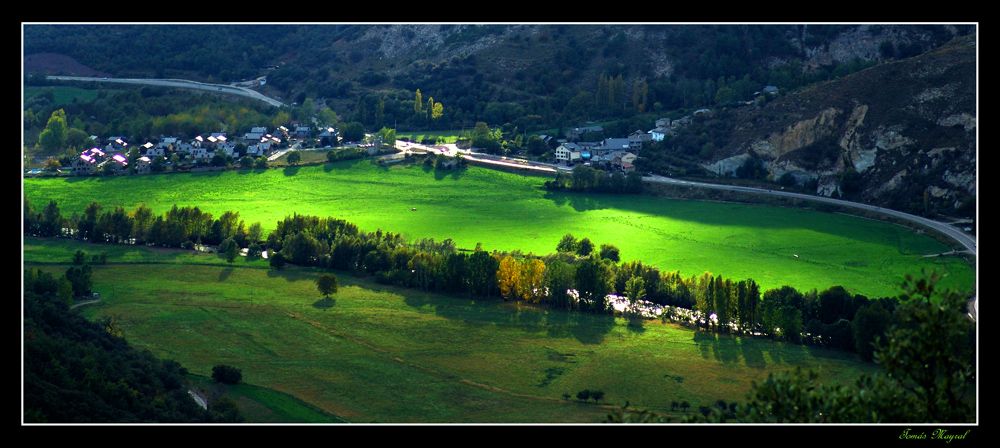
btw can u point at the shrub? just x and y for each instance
(226, 374)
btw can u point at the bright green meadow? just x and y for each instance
(507, 211)
(376, 353)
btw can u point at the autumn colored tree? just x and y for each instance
(509, 277)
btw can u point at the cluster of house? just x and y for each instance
(618, 153)
(111, 155)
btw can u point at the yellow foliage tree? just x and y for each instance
(532, 286)
(509, 277)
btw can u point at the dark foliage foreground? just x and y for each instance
(78, 371)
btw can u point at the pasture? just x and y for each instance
(374, 353)
(507, 212)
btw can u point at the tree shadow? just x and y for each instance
(584, 327)
(579, 201)
(749, 350)
(225, 273)
(290, 170)
(753, 357)
(324, 303)
(635, 325)
(453, 173)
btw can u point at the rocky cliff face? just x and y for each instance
(901, 134)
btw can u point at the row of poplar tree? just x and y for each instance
(578, 275)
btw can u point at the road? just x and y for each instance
(181, 84)
(967, 241)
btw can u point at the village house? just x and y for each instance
(259, 149)
(302, 131)
(83, 165)
(254, 136)
(658, 133)
(167, 142)
(142, 165)
(155, 151)
(568, 153)
(116, 164)
(115, 144)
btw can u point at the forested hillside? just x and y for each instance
(492, 73)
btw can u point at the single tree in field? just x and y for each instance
(673, 405)
(327, 284)
(685, 405)
(597, 395)
(294, 157)
(583, 395)
(566, 396)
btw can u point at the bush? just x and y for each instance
(226, 374)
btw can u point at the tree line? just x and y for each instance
(579, 275)
(585, 178)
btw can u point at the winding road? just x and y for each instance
(967, 241)
(181, 84)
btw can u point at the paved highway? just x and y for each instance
(181, 84)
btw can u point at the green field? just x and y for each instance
(68, 95)
(374, 353)
(506, 212)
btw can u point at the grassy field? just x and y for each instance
(263, 405)
(506, 211)
(373, 353)
(67, 95)
(440, 136)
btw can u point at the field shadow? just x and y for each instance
(324, 303)
(729, 349)
(634, 327)
(247, 171)
(345, 164)
(584, 327)
(579, 201)
(290, 170)
(225, 273)
(453, 173)
(290, 276)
